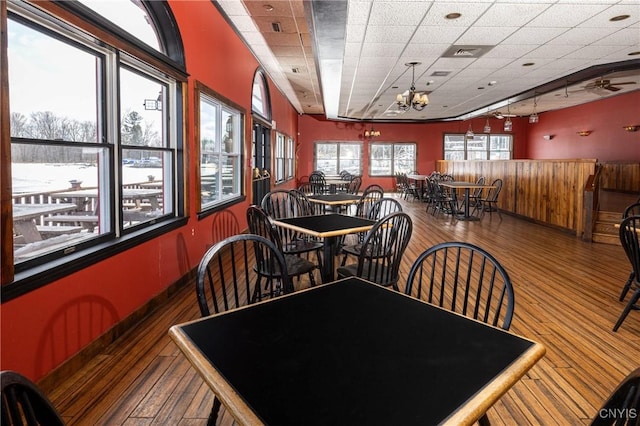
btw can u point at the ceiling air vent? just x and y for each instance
(276, 27)
(295, 70)
(466, 51)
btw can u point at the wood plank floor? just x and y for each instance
(566, 298)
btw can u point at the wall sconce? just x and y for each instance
(547, 137)
(632, 128)
(584, 132)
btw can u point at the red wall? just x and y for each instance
(606, 117)
(43, 328)
(427, 136)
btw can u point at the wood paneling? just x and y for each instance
(620, 176)
(566, 293)
(547, 191)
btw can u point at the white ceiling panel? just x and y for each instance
(364, 45)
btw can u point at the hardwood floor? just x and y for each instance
(566, 298)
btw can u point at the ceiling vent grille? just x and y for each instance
(466, 51)
(276, 27)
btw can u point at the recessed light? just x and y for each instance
(492, 83)
(453, 15)
(619, 18)
(634, 53)
(528, 64)
(481, 88)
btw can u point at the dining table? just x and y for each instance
(334, 183)
(355, 353)
(418, 179)
(467, 187)
(334, 202)
(329, 227)
(135, 194)
(25, 217)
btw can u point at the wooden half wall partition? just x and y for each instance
(546, 191)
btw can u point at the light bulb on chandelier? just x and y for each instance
(415, 100)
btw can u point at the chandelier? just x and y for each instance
(371, 133)
(415, 100)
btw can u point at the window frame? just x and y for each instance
(228, 105)
(338, 144)
(392, 159)
(477, 138)
(78, 28)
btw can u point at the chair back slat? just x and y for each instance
(228, 277)
(466, 279)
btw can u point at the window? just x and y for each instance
(284, 158)
(95, 148)
(481, 147)
(387, 159)
(220, 134)
(260, 102)
(290, 157)
(280, 157)
(334, 157)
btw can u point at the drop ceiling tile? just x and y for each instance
(470, 12)
(388, 34)
(355, 33)
(487, 36)
(581, 36)
(550, 52)
(567, 15)
(373, 50)
(397, 13)
(533, 35)
(510, 14)
(603, 19)
(437, 35)
(622, 37)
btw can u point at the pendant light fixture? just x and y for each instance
(533, 118)
(415, 100)
(508, 125)
(469, 135)
(487, 127)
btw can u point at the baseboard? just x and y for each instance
(77, 361)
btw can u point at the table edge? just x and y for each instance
(484, 399)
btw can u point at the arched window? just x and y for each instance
(95, 129)
(260, 99)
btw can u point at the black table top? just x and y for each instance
(325, 223)
(354, 353)
(334, 197)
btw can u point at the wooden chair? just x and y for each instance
(622, 408)
(465, 279)
(260, 224)
(490, 202)
(23, 403)
(631, 210)
(229, 276)
(318, 183)
(354, 185)
(381, 251)
(477, 193)
(630, 240)
(377, 210)
(282, 203)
